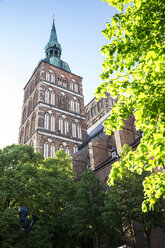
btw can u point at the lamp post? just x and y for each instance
(25, 223)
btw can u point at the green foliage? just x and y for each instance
(123, 207)
(44, 186)
(136, 54)
(87, 208)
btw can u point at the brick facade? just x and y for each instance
(53, 95)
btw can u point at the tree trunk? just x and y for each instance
(97, 241)
(147, 235)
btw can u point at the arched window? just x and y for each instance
(46, 121)
(93, 111)
(65, 83)
(71, 85)
(75, 87)
(47, 96)
(75, 149)
(77, 107)
(35, 98)
(65, 103)
(30, 106)
(66, 127)
(52, 99)
(67, 150)
(52, 150)
(74, 130)
(33, 124)
(59, 81)
(27, 132)
(48, 76)
(52, 123)
(99, 105)
(79, 133)
(60, 101)
(24, 114)
(46, 149)
(52, 78)
(60, 125)
(72, 105)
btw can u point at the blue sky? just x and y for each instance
(24, 31)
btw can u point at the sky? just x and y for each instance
(25, 27)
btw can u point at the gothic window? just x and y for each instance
(93, 111)
(65, 83)
(52, 123)
(71, 85)
(65, 103)
(76, 87)
(60, 101)
(75, 149)
(51, 53)
(56, 53)
(24, 114)
(47, 76)
(66, 127)
(52, 78)
(35, 99)
(30, 107)
(52, 99)
(99, 105)
(27, 132)
(77, 107)
(52, 150)
(37, 78)
(74, 130)
(46, 121)
(33, 124)
(67, 150)
(72, 105)
(61, 125)
(79, 133)
(46, 149)
(59, 81)
(47, 96)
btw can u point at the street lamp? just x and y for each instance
(25, 223)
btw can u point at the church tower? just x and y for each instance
(53, 115)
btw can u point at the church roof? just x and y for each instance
(93, 134)
(53, 51)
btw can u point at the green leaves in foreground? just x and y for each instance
(134, 71)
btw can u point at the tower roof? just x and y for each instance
(53, 51)
(53, 41)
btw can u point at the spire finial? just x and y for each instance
(53, 17)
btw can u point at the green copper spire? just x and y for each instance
(53, 51)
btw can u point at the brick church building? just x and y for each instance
(54, 117)
(53, 114)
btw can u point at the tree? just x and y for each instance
(136, 52)
(123, 206)
(87, 209)
(44, 186)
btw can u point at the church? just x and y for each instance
(54, 117)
